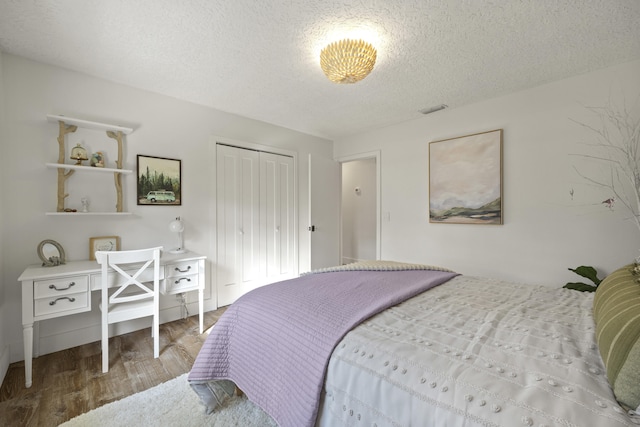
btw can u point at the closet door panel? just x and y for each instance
(228, 243)
(269, 212)
(277, 198)
(287, 247)
(250, 217)
(238, 199)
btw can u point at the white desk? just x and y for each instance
(50, 292)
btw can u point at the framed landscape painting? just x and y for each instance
(465, 179)
(159, 181)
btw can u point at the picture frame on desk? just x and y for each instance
(103, 243)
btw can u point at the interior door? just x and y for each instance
(324, 212)
(238, 222)
(277, 217)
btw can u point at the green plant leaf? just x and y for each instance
(587, 272)
(578, 286)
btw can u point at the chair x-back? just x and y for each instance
(130, 290)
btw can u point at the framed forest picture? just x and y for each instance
(159, 181)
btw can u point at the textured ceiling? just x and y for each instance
(259, 59)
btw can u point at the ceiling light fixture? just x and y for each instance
(347, 61)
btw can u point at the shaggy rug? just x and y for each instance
(172, 404)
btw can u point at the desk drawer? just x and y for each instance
(62, 304)
(181, 269)
(60, 286)
(175, 285)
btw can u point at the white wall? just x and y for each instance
(164, 127)
(544, 230)
(4, 349)
(358, 210)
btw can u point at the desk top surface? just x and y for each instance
(37, 271)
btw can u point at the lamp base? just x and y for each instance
(178, 251)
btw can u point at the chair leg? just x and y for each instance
(105, 347)
(155, 332)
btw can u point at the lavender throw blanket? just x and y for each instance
(274, 343)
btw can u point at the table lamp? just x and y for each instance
(177, 226)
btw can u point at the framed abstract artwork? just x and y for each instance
(465, 179)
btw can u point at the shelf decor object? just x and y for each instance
(51, 253)
(69, 125)
(103, 243)
(347, 61)
(97, 159)
(78, 153)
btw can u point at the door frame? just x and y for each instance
(365, 156)
(213, 201)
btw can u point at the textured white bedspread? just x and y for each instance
(473, 352)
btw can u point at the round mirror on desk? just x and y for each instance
(51, 253)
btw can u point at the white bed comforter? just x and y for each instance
(473, 352)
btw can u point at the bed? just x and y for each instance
(393, 344)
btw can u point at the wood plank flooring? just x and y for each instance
(70, 382)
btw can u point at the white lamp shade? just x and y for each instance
(176, 226)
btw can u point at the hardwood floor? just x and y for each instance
(70, 382)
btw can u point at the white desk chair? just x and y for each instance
(126, 294)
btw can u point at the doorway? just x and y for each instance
(360, 208)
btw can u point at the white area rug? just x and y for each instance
(172, 404)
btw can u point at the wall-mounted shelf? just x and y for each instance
(69, 125)
(85, 213)
(88, 124)
(87, 168)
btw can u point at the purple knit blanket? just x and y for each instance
(274, 343)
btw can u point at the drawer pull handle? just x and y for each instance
(62, 289)
(183, 271)
(181, 279)
(71, 299)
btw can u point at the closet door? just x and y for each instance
(277, 221)
(238, 222)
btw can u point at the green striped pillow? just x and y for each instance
(616, 309)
